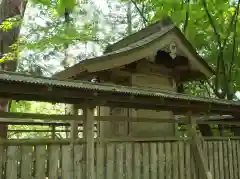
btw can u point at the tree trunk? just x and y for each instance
(8, 9)
(129, 18)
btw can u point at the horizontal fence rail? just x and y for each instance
(119, 159)
(54, 119)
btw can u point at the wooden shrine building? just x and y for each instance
(135, 89)
(157, 57)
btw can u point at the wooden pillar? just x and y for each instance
(74, 125)
(53, 132)
(88, 113)
(221, 129)
(196, 147)
(4, 105)
(71, 110)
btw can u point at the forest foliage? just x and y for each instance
(211, 26)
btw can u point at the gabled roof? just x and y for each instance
(160, 25)
(138, 46)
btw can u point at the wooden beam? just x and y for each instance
(39, 117)
(70, 117)
(45, 119)
(45, 130)
(39, 142)
(140, 139)
(18, 142)
(89, 138)
(222, 138)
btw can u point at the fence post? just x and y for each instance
(196, 147)
(74, 124)
(89, 139)
(73, 135)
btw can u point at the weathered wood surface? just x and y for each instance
(121, 160)
(33, 118)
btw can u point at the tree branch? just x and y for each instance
(230, 91)
(234, 39)
(145, 20)
(220, 62)
(186, 18)
(212, 23)
(235, 15)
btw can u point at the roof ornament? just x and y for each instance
(173, 50)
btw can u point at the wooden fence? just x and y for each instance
(120, 160)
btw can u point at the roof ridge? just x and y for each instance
(143, 33)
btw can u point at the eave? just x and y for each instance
(24, 87)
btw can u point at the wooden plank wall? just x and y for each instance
(120, 160)
(152, 160)
(40, 162)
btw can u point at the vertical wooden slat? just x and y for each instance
(235, 164)
(187, 161)
(211, 159)
(153, 161)
(161, 161)
(110, 161)
(41, 156)
(238, 156)
(230, 161)
(1, 160)
(73, 110)
(225, 154)
(216, 159)
(12, 159)
(207, 154)
(53, 161)
(79, 161)
(26, 162)
(119, 161)
(193, 164)
(89, 137)
(4, 161)
(100, 161)
(145, 154)
(181, 160)
(137, 161)
(66, 162)
(129, 161)
(70, 172)
(168, 160)
(221, 162)
(205, 149)
(175, 158)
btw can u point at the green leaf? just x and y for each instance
(10, 23)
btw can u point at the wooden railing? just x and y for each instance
(122, 157)
(170, 159)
